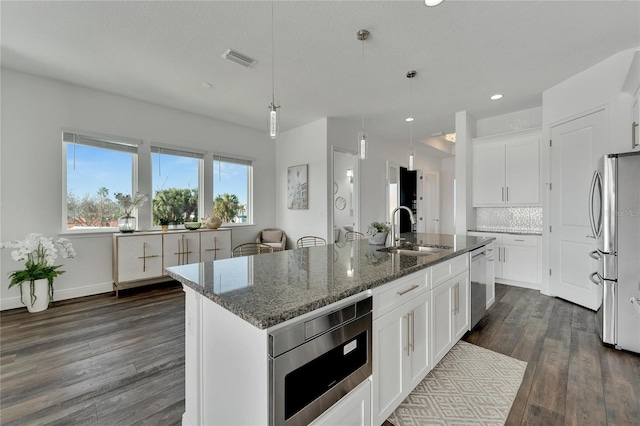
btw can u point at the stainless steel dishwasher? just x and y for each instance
(478, 274)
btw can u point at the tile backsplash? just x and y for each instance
(514, 219)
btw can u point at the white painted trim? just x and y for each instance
(63, 294)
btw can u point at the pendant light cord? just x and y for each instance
(273, 66)
(363, 85)
(411, 108)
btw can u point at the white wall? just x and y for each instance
(33, 112)
(343, 162)
(465, 131)
(448, 174)
(595, 88)
(303, 145)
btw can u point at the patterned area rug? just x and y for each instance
(470, 386)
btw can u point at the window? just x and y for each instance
(175, 177)
(232, 185)
(96, 169)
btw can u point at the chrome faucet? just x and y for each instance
(394, 241)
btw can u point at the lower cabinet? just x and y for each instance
(141, 257)
(401, 354)
(352, 410)
(451, 314)
(516, 258)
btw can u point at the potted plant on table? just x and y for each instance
(378, 232)
(39, 253)
(127, 223)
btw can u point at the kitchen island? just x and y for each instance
(233, 304)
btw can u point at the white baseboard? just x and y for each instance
(518, 284)
(63, 294)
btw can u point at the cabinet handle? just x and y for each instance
(516, 239)
(503, 193)
(507, 193)
(407, 347)
(413, 287)
(457, 298)
(412, 333)
(634, 141)
(504, 254)
(499, 254)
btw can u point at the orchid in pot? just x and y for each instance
(38, 254)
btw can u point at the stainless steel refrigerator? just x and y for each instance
(615, 222)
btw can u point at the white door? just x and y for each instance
(431, 202)
(576, 147)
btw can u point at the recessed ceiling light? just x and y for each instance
(408, 119)
(431, 3)
(496, 97)
(207, 85)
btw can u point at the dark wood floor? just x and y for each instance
(106, 361)
(571, 377)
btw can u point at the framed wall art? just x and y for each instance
(297, 191)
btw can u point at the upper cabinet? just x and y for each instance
(506, 170)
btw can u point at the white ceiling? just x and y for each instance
(463, 51)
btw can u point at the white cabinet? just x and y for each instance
(136, 257)
(491, 276)
(516, 258)
(401, 346)
(141, 257)
(352, 410)
(180, 248)
(215, 245)
(506, 170)
(451, 314)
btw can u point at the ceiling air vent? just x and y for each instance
(239, 58)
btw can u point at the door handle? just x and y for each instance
(593, 280)
(592, 190)
(594, 255)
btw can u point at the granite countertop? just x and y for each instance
(502, 231)
(271, 288)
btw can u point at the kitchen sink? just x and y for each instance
(414, 250)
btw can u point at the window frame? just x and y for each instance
(96, 140)
(181, 151)
(242, 160)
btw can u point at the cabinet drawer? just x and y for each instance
(389, 296)
(520, 240)
(443, 271)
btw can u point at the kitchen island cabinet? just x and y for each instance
(401, 344)
(233, 305)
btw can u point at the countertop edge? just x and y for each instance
(270, 321)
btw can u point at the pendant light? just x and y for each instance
(362, 136)
(274, 119)
(412, 154)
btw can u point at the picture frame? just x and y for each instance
(297, 190)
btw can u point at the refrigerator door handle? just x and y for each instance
(592, 190)
(593, 280)
(595, 255)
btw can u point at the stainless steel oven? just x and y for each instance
(316, 361)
